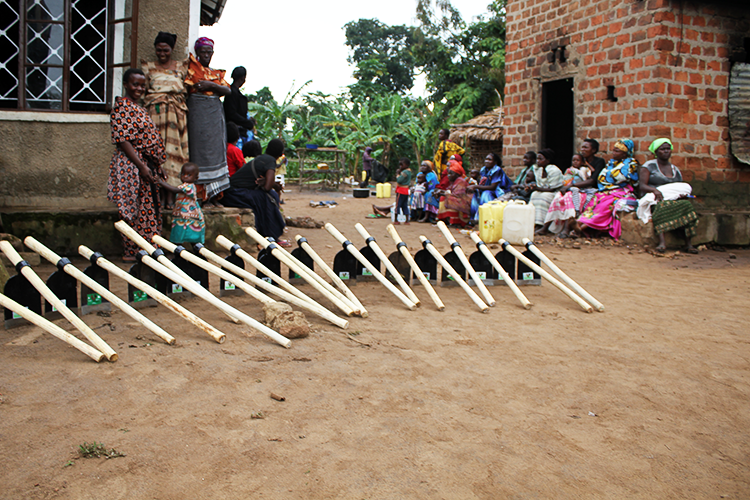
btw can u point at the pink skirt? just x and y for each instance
(600, 214)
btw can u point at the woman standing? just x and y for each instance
(675, 211)
(165, 102)
(615, 182)
(445, 150)
(548, 179)
(235, 107)
(136, 163)
(206, 123)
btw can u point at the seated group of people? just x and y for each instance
(583, 200)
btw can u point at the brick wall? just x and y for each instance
(668, 61)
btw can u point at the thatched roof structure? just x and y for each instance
(485, 127)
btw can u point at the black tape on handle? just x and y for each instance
(178, 249)
(400, 244)
(455, 244)
(198, 247)
(95, 257)
(479, 245)
(529, 244)
(346, 244)
(64, 261)
(369, 240)
(235, 248)
(504, 244)
(270, 239)
(424, 244)
(140, 255)
(301, 241)
(21, 265)
(159, 252)
(272, 245)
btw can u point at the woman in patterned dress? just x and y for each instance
(165, 101)
(136, 163)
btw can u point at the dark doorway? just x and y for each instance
(557, 120)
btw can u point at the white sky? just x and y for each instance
(286, 41)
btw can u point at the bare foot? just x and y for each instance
(661, 249)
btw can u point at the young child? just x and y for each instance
(578, 172)
(188, 224)
(403, 181)
(474, 177)
(235, 159)
(417, 196)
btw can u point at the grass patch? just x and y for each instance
(97, 450)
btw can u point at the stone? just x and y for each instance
(281, 318)
(734, 229)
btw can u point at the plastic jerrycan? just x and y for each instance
(518, 222)
(491, 221)
(383, 190)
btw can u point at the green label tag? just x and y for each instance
(176, 288)
(482, 275)
(93, 299)
(426, 274)
(344, 275)
(139, 296)
(229, 286)
(528, 276)
(451, 278)
(366, 272)
(54, 309)
(268, 280)
(16, 315)
(296, 276)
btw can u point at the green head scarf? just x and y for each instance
(657, 144)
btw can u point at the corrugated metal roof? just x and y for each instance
(211, 11)
(739, 111)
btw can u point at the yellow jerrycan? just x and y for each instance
(383, 190)
(491, 221)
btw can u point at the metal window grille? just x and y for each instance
(64, 55)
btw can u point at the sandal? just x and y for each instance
(660, 249)
(692, 250)
(284, 243)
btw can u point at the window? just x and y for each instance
(63, 54)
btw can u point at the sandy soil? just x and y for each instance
(649, 399)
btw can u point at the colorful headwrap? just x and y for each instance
(626, 146)
(458, 158)
(658, 143)
(456, 167)
(203, 42)
(429, 164)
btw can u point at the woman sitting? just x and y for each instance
(661, 183)
(431, 203)
(254, 186)
(615, 182)
(455, 201)
(548, 179)
(571, 199)
(492, 184)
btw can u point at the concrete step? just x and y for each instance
(63, 232)
(722, 228)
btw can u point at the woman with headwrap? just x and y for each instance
(254, 186)
(615, 182)
(445, 150)
(206, 123)
(455, 201)
(165, 103)
(492, 184)
(666, 195)
(431, 203)
(235, 107)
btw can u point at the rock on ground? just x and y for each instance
(291, 324)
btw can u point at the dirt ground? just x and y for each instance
(650, 399)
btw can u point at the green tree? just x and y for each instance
(382, 55)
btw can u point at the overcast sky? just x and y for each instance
(285, 41)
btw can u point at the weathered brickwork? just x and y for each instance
(668, 61)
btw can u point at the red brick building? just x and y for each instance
(638, 69)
